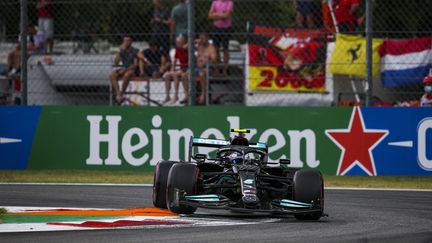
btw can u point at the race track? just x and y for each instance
(355, 215)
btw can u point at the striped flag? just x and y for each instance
(405, 61)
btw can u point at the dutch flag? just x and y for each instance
(405, 61)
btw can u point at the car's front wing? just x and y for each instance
(213, 201)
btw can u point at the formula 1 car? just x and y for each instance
(239, 178)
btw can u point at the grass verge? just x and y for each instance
(403, 182)
(133, 177)
(2, 211)
(76, 176)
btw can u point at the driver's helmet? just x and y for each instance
(240, 140)
(235, 157)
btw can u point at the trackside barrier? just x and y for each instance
(337, 141)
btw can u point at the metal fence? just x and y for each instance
(280, 52)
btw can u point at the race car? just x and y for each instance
(237, 176)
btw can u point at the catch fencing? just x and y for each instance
(281, 52)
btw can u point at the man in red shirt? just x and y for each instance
(178, 72)
(346, 15)
(46, 21)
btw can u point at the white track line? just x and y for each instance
(151, 185)
(378, 189)
(73, 184)
(16, 209)
(193, 222)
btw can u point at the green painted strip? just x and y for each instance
(21, 219)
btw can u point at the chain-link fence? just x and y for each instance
(248, 52)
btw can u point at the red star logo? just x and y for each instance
(356, 144)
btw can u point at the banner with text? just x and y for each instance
(286, 60)
(337, 141)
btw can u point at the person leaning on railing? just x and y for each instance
(37, 41)
(36, 44)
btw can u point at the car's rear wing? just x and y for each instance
(217, 143)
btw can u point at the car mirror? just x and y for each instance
(285, 161)
(200, 157)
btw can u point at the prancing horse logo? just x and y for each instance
(353, 52)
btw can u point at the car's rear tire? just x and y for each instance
(160, 180)
(308, 187)
(184, 177)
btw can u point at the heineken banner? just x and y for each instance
(337, 141)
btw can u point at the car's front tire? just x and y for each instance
(184, 177)
(308, 187)
(160, 180)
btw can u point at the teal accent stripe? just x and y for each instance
(295, 202)
(294, 205)
(204, 199)
(203, 196)
(258, 145)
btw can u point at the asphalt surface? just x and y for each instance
(354, 216)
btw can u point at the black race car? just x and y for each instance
(239, 178)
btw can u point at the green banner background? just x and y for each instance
(62, 140)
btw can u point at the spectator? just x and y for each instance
(179, 20)
(127, 54)
(306, 10)
(221, 14)
(160, 25)
(14, 61)
(37, 42)
(346, 15)
(426, 99)
(178, 72)
(207, 54)
(153, 62)
(46, 21)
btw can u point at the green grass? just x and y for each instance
(405, 182)
(134, 177)
(76, 176)
(2, 211)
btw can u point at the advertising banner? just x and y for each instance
(336, 141)
(17, 128)
(286, 60)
